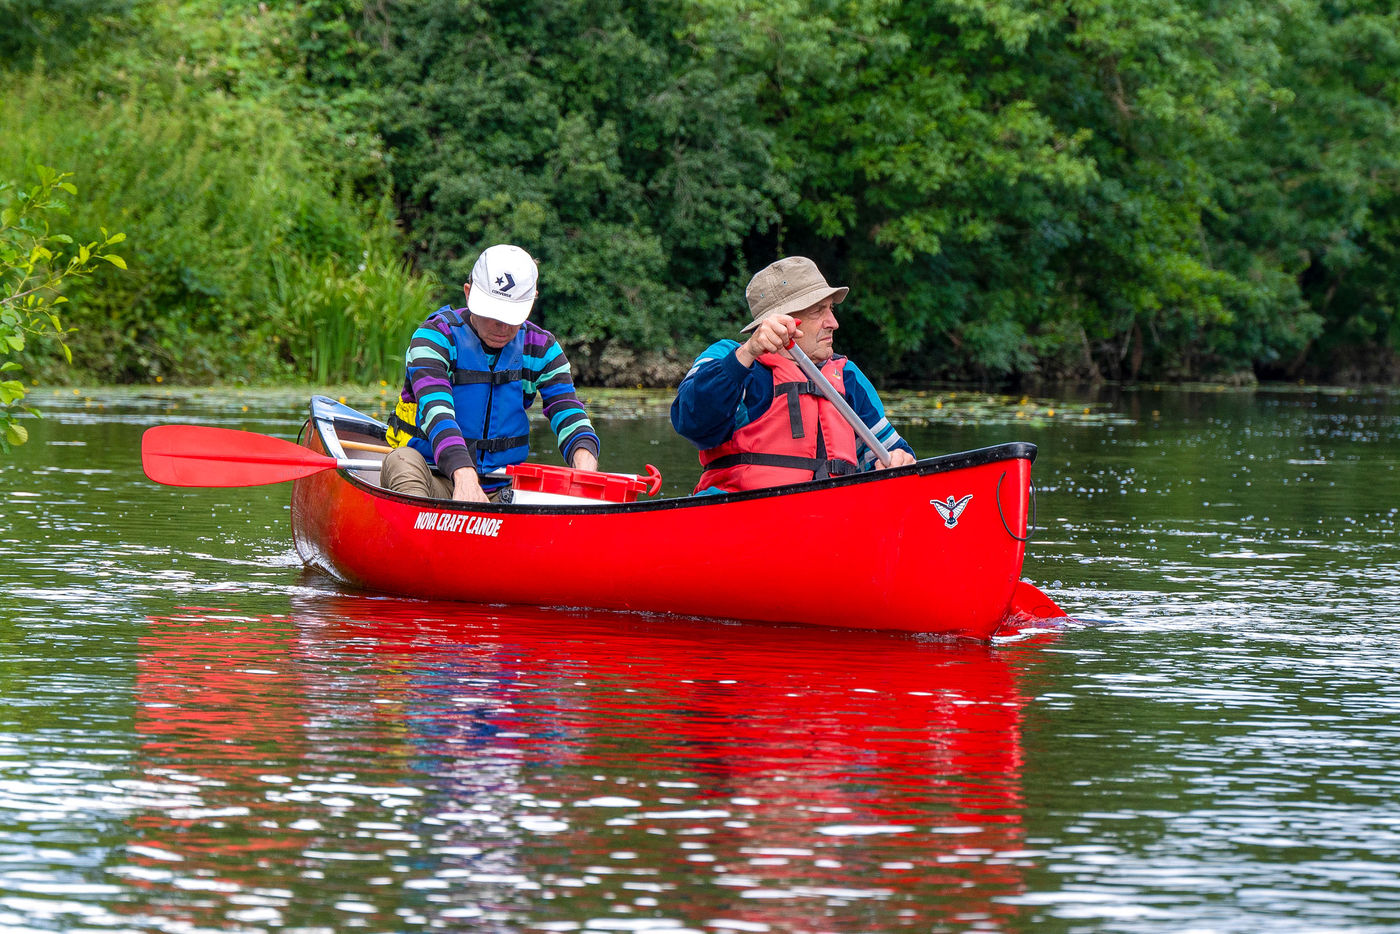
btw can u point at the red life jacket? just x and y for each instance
(801, 437)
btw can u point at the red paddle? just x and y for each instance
(201, 455)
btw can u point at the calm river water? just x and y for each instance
(197, 735)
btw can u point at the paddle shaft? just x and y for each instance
(824, 386)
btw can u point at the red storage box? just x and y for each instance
(589, 484)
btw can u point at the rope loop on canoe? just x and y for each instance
(1030, 529)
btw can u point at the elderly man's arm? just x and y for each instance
(709, 403)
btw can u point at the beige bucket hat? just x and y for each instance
(787, 286)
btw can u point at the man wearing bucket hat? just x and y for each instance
(756, 418)
(471, 374)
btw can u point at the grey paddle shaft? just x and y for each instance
(836, 399)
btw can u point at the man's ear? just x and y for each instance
(467, 289)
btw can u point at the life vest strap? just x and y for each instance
(496, 445)
(401, 428)
(819, 467)
(793, 391)
(452, 316)
(494, 377)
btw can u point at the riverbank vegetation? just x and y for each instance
(1014, 191)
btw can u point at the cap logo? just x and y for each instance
(504, 283)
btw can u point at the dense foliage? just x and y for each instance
(1075, 188)
(252, 254)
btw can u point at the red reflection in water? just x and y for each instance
(209, 730)
(771, 775)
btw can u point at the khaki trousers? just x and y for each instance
(406, 471)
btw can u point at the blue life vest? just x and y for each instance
(489, 400)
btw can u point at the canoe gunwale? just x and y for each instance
(326, 413)
(1011, 450)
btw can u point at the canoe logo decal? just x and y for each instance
(951, 508)
(458, 522)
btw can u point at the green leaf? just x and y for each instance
(11, 390)
(115, 260)
(15, 433)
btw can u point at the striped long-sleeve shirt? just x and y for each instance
(431, 361)
(720, 395)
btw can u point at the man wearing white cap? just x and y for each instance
(471, 377)
(756, 418)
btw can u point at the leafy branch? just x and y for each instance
(35, 263)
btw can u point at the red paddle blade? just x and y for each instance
(201, 455)
(1030, 602)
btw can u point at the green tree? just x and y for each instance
(1329, 206)
(1101, 188)
(36, 262)
(592, 134)
(53, 29)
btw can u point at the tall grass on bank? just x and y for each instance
(249, 260)
(351, 318)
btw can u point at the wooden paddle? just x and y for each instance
(1027, 601)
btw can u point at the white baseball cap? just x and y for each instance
(504, 284)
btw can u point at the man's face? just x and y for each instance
(494, 334)
(818, 323)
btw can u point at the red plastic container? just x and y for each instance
(589, 484)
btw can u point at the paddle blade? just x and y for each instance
(1030, 602)
(201, 455)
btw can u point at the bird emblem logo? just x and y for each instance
(951, 509)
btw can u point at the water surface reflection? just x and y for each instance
(194, 735)
(427, 765)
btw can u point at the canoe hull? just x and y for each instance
(870, 552)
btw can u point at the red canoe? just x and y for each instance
(933, 547)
